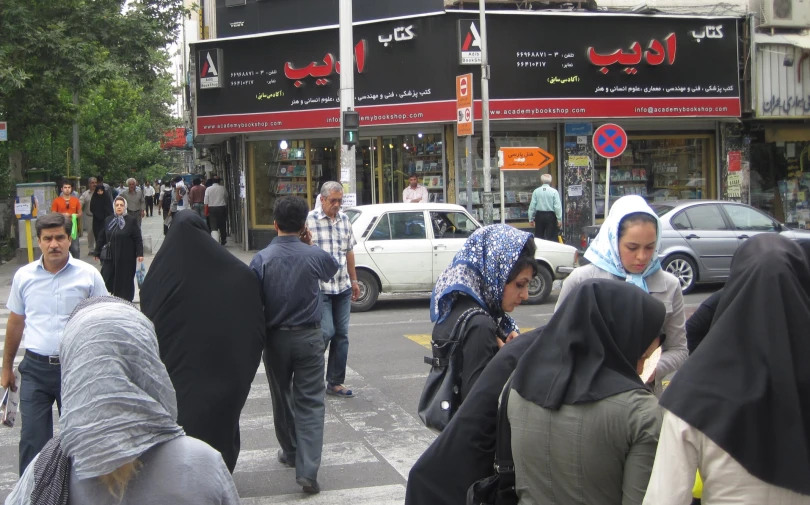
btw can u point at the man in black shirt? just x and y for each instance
(289, 270)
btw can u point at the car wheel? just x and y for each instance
(683, 268)
(369, 292)
(540, 286)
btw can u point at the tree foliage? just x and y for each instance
(112, 53)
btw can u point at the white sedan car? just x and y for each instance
(404, 247)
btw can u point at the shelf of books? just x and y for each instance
(425, 159)
(518, 188)
(288, 173)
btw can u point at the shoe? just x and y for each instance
(309, 486)
(338, 390)
(282, 458)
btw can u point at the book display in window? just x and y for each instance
(425, 159)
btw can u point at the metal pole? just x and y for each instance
(485, 113)
(607, 188)
(503, 197)
(468, 149)
(347, 155)
(76, 166)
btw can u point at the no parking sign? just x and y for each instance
(609, 141)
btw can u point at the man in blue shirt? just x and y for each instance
(43, 295)
(289, 270)
(545, 211)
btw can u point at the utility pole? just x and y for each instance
(348, 168)
(485, 114)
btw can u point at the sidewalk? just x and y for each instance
(151, 228)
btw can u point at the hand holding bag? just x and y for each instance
(140, 275)
(441, 396)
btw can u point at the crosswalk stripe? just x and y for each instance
(376, 495)
(336, 454)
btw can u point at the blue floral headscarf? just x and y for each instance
(480, 270)
(604, 250)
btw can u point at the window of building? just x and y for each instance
(780, 178)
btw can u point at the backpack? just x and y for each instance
(167, 199)
(441, 396)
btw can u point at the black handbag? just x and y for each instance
(441, 396)
(498, 489)
(106, 253)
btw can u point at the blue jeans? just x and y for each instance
(335, 327)
(41, 386)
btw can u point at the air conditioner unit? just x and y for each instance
(786, 13)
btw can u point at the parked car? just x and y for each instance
(699, 237)
(404, 247)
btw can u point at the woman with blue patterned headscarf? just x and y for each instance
(491, 271)
(626, 248)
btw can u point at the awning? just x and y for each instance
(802, 41)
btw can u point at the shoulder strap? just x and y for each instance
(457, 334)
(504, 464)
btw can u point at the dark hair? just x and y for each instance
(66, 181)
(636, 217)
(524, 261)
(196, 181)
(100, 179)
(290, 213)
(177, 179)
(53, 220)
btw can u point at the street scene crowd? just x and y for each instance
(619, 399)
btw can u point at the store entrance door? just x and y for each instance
(366, 172)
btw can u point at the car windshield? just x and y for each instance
(660, 210)
(353, 214)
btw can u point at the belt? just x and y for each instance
(51, 360)
(299, 327)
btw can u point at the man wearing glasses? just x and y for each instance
(332, 231)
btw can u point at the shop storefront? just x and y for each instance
(670, 81)
(778, 138)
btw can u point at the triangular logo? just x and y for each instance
(208, 66)
(473, 39)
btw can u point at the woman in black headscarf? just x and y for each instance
(464, 451)
(584, 425)
(739, 409)
(212, 359)
(122, 236)
(101, 207)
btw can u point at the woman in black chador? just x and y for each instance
(122, 235)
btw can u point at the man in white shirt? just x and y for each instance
(415, 192)
(216, 208)
(43, 295)
(149, 196)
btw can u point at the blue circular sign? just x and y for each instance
(609, 140)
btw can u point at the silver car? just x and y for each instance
(700, 237)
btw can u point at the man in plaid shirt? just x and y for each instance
(332, 232)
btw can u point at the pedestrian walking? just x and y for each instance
(136, 201)
(738, 408)
(119, 442)
(43, 295)
(165, 203)
(626, 248)
(577, 400)
(216, 204)
(545, 210)
(87, 213)
(149, 197)
(491, 271)
(332, 231)
(69, 206)
(102, 208)
(124, 249)
(289, 271)
(211, 359)
(196, 196)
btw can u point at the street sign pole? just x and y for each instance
(468, 147)
(465, 124)
(485, 114)
(347, 153)
(607, 187)
(503, 206)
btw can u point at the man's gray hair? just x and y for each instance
(545, 178)
(131, 179)
(91, 179)
(331, 187)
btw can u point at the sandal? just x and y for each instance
(338, 390)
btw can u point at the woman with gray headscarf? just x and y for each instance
(122, 237)
(119, 441)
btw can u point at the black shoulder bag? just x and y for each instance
(441, 396)
(498, 489)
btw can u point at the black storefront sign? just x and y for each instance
(264, 16)
(617, 66)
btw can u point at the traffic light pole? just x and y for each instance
(348, 176)
(488, 199)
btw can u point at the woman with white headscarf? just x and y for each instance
(119, 441)
(122, 236)
(626, 248)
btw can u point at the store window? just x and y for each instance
(660, 169)
(518, 185)
(421, 154)
(780, 180)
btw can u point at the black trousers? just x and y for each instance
(41, 386)
(545, 225)
(218, 217)
(150, 205)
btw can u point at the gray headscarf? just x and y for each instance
(117, 398)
